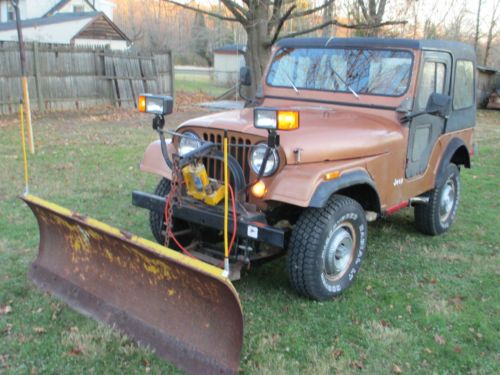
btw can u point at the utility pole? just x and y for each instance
(24, 79)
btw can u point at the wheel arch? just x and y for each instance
(357, 185)
(457, 153)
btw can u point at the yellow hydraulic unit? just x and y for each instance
(200, 186)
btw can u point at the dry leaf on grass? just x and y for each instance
(439, 340)
(39, 330)
(75, 351)
(4, 310)
(336, 354)
(396, 369)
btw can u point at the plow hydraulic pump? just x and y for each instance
(200, 186)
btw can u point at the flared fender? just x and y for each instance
(153, 160)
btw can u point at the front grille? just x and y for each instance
(239, 147)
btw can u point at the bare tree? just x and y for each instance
(478, 17)
(372, 12)
(263, 22)
(491, 31)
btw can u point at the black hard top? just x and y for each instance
(457, 49)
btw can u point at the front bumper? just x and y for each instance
(208, 217)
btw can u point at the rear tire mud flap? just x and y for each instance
(180, 307)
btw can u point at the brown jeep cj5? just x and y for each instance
(342, 131)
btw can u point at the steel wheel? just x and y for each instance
(437, 216)
(447, 200)
(339, 251)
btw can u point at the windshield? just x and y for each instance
(364, 71)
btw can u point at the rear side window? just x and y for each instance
(433, 80)
(463, 94)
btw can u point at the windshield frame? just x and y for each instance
(347, 91)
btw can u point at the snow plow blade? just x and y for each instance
(182, 308)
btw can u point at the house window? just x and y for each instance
(78, 8)
(463, 94)
(433, 79)
(11, 12)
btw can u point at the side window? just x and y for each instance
(433, 80)
(463, 93)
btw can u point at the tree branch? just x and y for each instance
(281, 22)
(199, 10)
(312, 10)
(360, 26)
(240, 13)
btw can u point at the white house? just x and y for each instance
(30, 9)
(75, 22)
(227, 63)
(79, 29)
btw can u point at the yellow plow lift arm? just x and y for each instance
(182, 308)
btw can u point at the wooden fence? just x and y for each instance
(67, 77)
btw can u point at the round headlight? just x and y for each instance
(188, 142)
(257, 158)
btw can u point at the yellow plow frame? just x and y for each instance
(187, 311)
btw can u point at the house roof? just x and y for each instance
(488, 69)
(92, 29)
(231, 49)
(96, 30)
(57, 18)
(61, 4)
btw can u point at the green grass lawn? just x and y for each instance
(193, 83)
(420, 305)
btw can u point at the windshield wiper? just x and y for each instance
(291, 82)
(345, 83)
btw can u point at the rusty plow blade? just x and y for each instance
(182, 308)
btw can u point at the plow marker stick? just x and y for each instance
(182, 308)
(23, 143)
(226, 210)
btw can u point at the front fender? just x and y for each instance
(304, 185)
(153, 160)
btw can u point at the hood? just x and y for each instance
(324, 133)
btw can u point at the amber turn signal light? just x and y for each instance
(141, 103)
(259, 189)
(331, 175)
(288, 120)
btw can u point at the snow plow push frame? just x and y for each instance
(185, 310)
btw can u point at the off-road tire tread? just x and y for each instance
(305, 240)
(425, 213)
(156, 219)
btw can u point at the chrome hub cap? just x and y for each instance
(447, 200)
(339, 252)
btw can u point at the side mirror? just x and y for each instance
(245, 76)
(439, 105)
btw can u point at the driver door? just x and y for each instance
(424, 130)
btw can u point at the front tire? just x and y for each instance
(157, 220)
(437, 216)
(326, 248)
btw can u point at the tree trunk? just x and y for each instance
(478, 15)
(258, 51)
(490, 33)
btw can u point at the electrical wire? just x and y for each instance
(171, 235)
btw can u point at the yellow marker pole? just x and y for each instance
(27, 109)
(226, 209)
(24, 79)
(23, 143)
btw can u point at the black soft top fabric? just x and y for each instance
(459, 50)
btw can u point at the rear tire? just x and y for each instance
(437, 216)
(326, 248)
(157, 220)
